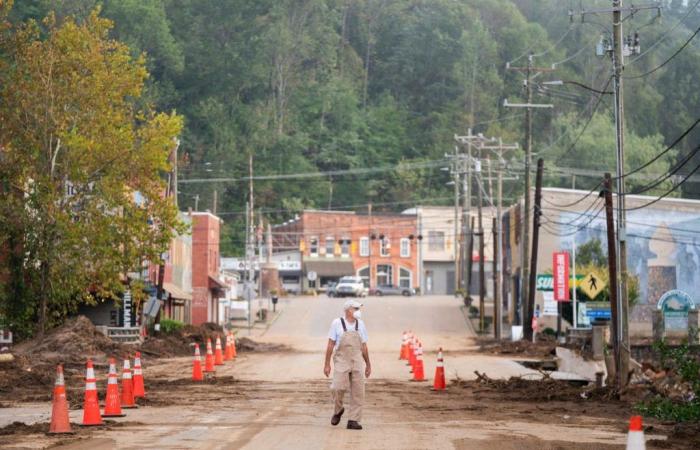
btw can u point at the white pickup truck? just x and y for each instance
(350, 287)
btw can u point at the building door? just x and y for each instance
(450, 274)
(429, 278)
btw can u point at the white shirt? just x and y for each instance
(337, 331)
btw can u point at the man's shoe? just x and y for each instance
(353, 425)
(335, 420)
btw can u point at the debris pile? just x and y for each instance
(32, 371)
(249, 345)
(180, 342)
(651, 381)
(545, 389)
(543, 348)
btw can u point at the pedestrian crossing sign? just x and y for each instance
(591, 285)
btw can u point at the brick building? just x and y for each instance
(382, 248)
(207, 287)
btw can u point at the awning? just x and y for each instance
(330, 268)
(215, 283)
(176, 292)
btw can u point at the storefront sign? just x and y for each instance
(550, 305)
(545, 282)
(127, 308)
(675, 305)
(560, 263)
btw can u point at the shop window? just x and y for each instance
(364, 246)
(405, 278)
(384, 274)
(436, 240)
(405, 248)
(330, 246)
(384, 247)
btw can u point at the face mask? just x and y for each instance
(357, 314)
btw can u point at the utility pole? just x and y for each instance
(456, 175)
(623, 325)
(496, 296)
(525, 273)
(467, 243)
(612, 271)
(528, 331)
(369, 245)
(215, 202)
(480, 232)
(499, 149)
(196, 202)
(617, 48)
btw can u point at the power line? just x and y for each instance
(287, 176)
(588, 122)
(667, 61)
(654, 159)
(665, 177)
(667, 193)
(665, 34)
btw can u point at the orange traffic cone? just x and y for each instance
(60, 423)
(139, 388)
(113, 405)
(91, 407)
(413, 347)
(404, 346)
(127, 386)
(635, 437)
(439, 383)
(418, 374)
(218, 355)
(209, 359)
(228, 353)
(197, 374)
(233, 346)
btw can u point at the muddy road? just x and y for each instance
(270, 400)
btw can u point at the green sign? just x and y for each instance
(675, 306)
(545, 282)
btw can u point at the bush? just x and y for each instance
(169, 326)
(473, 311)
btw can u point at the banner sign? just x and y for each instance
(560, 263)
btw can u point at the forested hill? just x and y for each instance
(345, 87)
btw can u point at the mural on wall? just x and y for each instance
(663, 248)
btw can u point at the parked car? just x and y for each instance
(390, 289)
(330, 289)
(350, 287)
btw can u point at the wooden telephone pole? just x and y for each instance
(530, 72)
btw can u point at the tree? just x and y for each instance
(82, 163)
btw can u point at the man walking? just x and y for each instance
(347, 342)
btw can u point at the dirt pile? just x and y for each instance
(181, 342)
(547, 389)
(249, 345)
(71, 343)
(543, 348)
(32, 373)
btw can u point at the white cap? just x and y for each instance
(351, 304)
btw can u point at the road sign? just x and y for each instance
(312, 276)
(592, 285)
(561, 276)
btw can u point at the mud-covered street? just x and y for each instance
(280, 399)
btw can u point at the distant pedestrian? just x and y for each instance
(347, 342)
